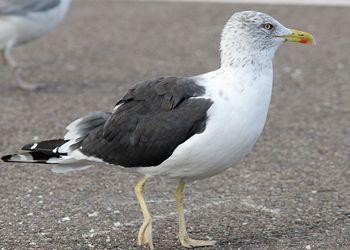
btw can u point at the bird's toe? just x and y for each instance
(191, 243)
(30, 86)
(145, 235)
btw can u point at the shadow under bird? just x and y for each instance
(22, 21)
(185, 128)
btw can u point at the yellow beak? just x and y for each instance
(299, 36)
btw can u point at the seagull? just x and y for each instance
(22, 21)
(183, 128)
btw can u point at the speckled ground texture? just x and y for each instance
(291, 192)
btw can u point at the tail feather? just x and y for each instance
(30, 157)
(80, 128)
(61, 151)
(67, 167)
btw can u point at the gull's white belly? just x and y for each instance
(16, 30)
(232, 129)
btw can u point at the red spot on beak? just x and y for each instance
(304, 40)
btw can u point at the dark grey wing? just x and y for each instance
(151, 121)
(23, 7)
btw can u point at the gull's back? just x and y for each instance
(22, 21)
(23, 7)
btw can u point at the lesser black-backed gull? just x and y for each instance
(186, 128)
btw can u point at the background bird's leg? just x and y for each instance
(9, 60)
(145, 233)
(3, 59)
(185, 240)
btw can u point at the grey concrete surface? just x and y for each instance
(291, 192)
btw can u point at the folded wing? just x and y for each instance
(149, 123)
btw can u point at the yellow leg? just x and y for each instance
(185, 240)
(145, 232)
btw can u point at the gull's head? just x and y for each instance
(251, 33)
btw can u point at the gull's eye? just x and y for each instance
(268, 26)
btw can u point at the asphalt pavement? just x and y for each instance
(291, 192)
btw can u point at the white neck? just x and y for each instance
(240, 57)
(247, 69)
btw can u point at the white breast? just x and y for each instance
(16, 30)
(236, 120)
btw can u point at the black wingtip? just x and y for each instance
(6, 158)
(27, 147)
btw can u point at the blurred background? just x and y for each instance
(291, 192)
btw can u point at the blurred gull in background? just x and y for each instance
(22, 21)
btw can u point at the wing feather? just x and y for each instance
(151, 120)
